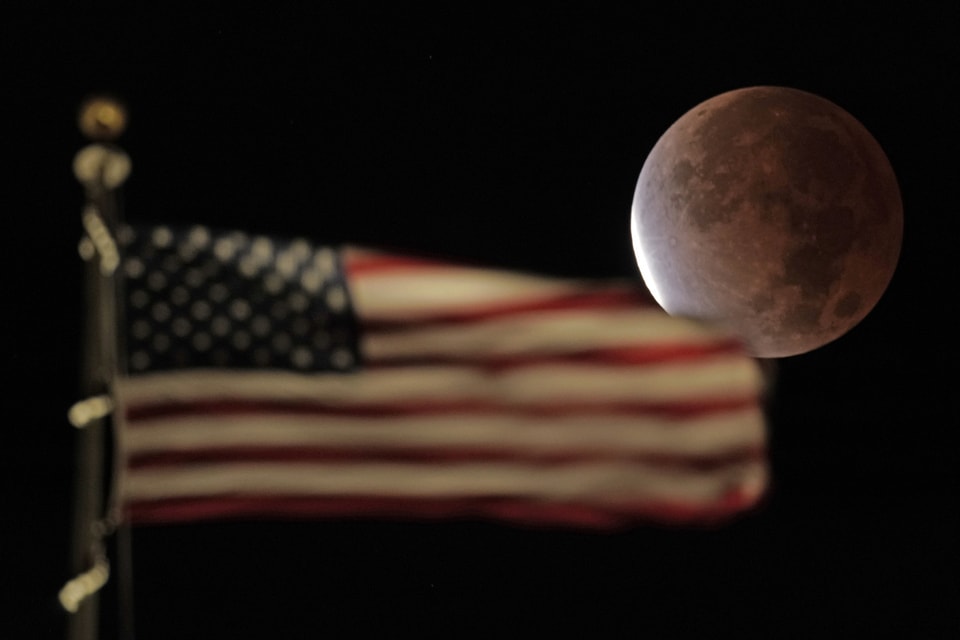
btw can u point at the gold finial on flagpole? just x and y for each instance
(102, 118)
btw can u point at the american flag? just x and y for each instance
(281, 379)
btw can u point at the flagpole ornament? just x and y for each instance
(102, 166)
(102, 118)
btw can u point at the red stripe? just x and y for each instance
(612, 356)
(266, 407)
(518, 511)
(439, 455)
(354, 265)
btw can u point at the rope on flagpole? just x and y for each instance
(103, 243)
(93, 408)
(78, 589)
(83, 586)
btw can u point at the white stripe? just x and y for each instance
(601, 483)
(542, 332)
(403, 294)
(702, 436)
(718, 377)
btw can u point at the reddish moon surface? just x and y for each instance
(771, 211)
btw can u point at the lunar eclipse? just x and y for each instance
(771, 211)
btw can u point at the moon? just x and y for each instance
(770, 211)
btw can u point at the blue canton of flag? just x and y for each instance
(195, 300)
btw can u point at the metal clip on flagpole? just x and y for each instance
(101, 167)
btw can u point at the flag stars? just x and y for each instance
(336, 299)
(187, 252)
(161, 237)
(240, 309)
(312, 280)
(134, 268)
(341, 358)
(326, 262)
(199, 237)
(225, 248)
(274, 283)
(287, 264)
(300, 249)
(262, 249)
(249, 267)
(197, 298)
(301, 358)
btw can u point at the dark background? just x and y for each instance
(512, 138)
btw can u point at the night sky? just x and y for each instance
(512, 139)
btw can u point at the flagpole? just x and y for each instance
(101, 168)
